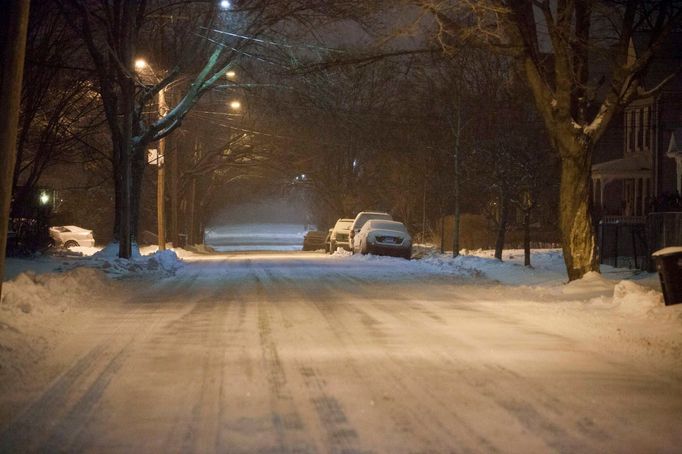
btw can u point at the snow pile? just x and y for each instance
(38, 309)
(30, 292)
(162, 263)
(635, 299)
(458, 265)
(592, 286)
(547, 265)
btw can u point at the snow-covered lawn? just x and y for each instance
(619, 313)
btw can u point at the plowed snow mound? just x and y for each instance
(36, 310)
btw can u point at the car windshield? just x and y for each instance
(387, 225)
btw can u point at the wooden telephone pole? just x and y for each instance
(12, 51)
(161, 180)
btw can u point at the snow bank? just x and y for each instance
(30, 292)
(36, 310)
(635, 299)
(162, 263)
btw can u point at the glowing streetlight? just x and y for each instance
(230, 74)
(140, 63)
(225, 4)
(44, 198)
(235, 105)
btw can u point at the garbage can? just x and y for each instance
(669, 267)
(182, 240)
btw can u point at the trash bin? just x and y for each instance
(182, 240)
(669, 267)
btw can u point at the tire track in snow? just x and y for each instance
(56, 419)
(343, 321)
(340, 435)
(286, 419)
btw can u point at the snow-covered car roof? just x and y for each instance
(72, 228)
(382, 224)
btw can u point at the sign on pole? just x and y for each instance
(152, 155)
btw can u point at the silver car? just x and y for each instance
(360, 220)
(383, 237)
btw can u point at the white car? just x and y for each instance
(71, 235)
(339, 237)
(360, 220)
(382, 237)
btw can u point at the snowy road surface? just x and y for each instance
(308, 353)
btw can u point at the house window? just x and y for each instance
(639, 121)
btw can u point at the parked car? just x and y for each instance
(314, 240)
(71, 235)
(360, 220)
(382, 237)
(340, 235)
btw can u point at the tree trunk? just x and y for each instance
(502, 225)
(192, 211)
(526, 236)
(455, 229)
(12, 51)
(125, 219)
(577, 230)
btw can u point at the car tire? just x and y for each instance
(332, 247)
(71, 243)
(408, 254)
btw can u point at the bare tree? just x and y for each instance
(555, 45)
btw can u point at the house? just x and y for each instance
(637, 169)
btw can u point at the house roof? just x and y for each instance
(629, 167)
(675, 145)
(665, 61)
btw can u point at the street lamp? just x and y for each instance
(140, 64)
(225, 4)
(235, 105)
(230, 74)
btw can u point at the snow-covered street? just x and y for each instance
(304, 352)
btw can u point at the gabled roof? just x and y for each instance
(629, 167)
(666, 61)
(675, 145)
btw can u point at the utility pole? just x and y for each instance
(12, 51)
(161, 179)
(174, 157)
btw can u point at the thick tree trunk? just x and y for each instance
(577, 230)
(125, 228)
